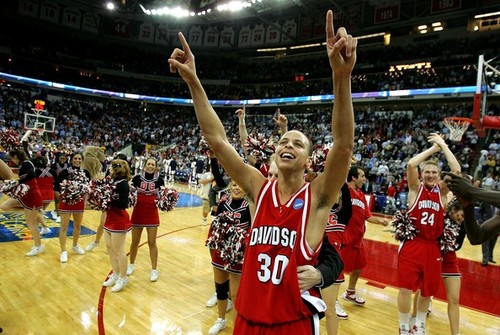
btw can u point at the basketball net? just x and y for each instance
(457, 127)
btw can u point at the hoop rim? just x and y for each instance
(458, 119)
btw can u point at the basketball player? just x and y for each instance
(289, 214)
(467, 194)
(419, 260)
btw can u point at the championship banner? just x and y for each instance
(146, 32)
(211, 37)
(91, 22)
(195, 36)
(161, 35)
(289, 29)
(173, 32)
(387, 13)
(244, 37)
(72, 18)
(258, 33)
(273, 33)
(49, 12)
(120, 28)
(439, 6)
(28, 8)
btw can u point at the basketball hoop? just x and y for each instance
(457, 126)
(40, 131)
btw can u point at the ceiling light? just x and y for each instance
(480, 16)
(422, 27)
(436, 24)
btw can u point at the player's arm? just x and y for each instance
(249, 178)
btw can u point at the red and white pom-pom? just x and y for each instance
(203, 147)
(100, 193)
(228, 239)
(9, 139)
(167, 199)
(448, 241)
(260, 147)
(318, 158)
(132, 196)
(13, 189)
(404, 227)
(75, 188)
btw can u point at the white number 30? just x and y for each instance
(270, 270)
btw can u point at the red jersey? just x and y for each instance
(269, 292)
(427, 213)
(355, 230)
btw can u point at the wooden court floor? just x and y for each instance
(40, 295)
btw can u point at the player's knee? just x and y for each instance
(222, 290)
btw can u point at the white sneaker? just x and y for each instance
(35, 250)
(58, 219)
(340, 311)
(64, 257)
(418, 330)
(78, 250)
(120, 284)
(353, 297)
(219, 324)
(229, 306)
(111, 280)
(154, 275)
(45, 230)
(91, 246)
(130, 269)
(212, 301)
(204, 221)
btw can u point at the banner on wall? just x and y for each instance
(28, 8)
(49, 12)
(146, 32)
(289, 29)
(258, 34)
(161, 34)
(91, 22)
(273, 33)
(72, 17)
(120, 28)
(195, 36)
(211, 37)
(388, 12)
(244, 37)
(227, 37)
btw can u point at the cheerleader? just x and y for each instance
(227, 276)
(45, 178)
(71, 204)
(145, 214)
(117, 225)
(60, 164)
(32, 200)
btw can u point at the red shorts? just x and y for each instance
(419, 266)
(354, 258)
(245, 327)
(117, 221)
(450, 265)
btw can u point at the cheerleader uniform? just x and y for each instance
(145, 214)
(117, 217)
(70, 174)
(241, 215)
(33, 198)
(45, 179)
(450, 260)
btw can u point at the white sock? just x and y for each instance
(420, 321)
(404, 321)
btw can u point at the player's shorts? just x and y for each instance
(354, 258)
(450, 265)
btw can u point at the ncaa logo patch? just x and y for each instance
(298, 204)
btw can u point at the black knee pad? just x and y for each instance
(222, 290)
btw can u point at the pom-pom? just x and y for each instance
(318, 158)
(9, 139)
(448, 241)
(404, 227)
(100, 195)
(13, 189)
(74, 189)
(228, 239)
(203, 147)
(260, 147)
(167, 199)
(132, 196)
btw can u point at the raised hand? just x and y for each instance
(241, 113)
(281, 121)
(182, 61)
(340, 47)
(436, 139)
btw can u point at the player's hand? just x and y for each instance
(340, 47)
(182, 61)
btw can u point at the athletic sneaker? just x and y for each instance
(219, 325)
(111, 280)
(64, 257)
(212, 301)
(120, 284)
(91, 246)
(130, 269)
(78, 250)
(340, 311)
(429, 309)
(229, 306)
(353, 297)
(45, 231)
(418, 330)
(35, 250)
(204, 221)
(154, 275)
(404, 332)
